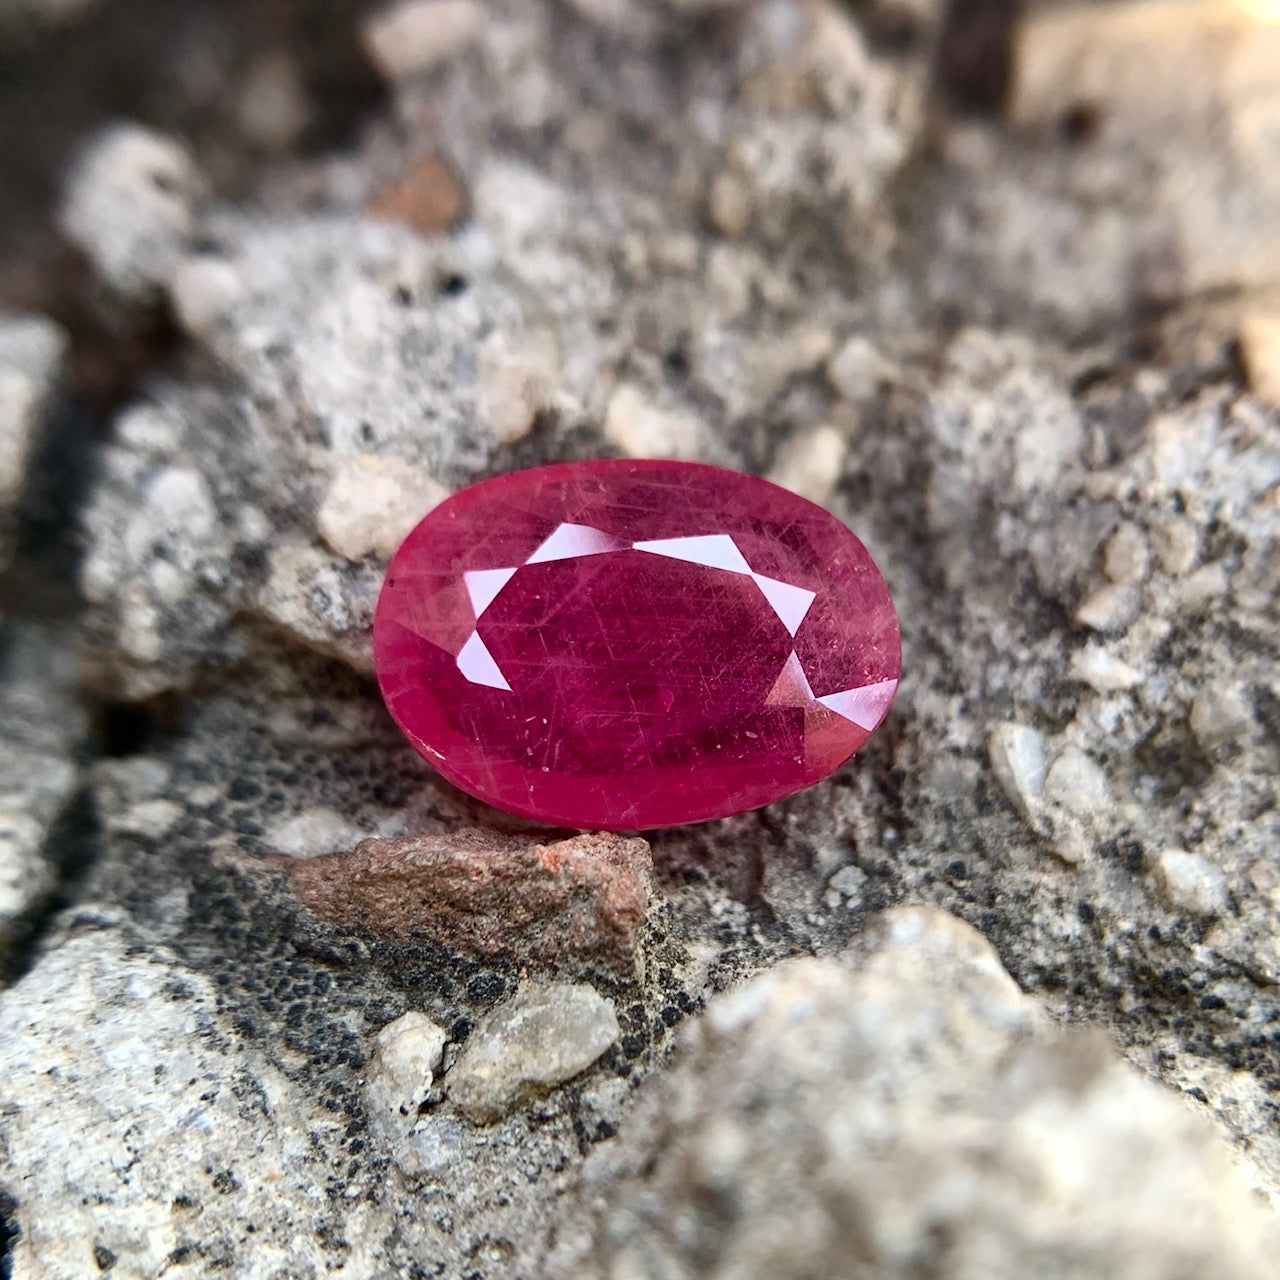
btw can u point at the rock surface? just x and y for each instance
(916, 1116)
(40, 757)
(1011, 321)
(129, 209)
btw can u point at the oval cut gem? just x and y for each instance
(629, 644)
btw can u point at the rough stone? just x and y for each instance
(1192, 883)
(168, 1092)
(1061, 294)
(913, 1114)
(416, 36)
(1260, 349)
(567, 902)
(130, 208)
(537, 1040)
(371, 503)
(811, 463)
(406, 1057)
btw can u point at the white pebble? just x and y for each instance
(130, 208)
(419, 35)
(1208, 584)
(540, 1038)
(1126, 555)
(642, 430)
(313, 833)
(810, 463)
(1103, 671)
(1190, 882)
(516, 383)
(857, 370)
(372, 503)
(847, 886)
(1018, 760)
(1111, 608)
(203, 290)
(406, 1056)
(1077, 784)
(1220, 714)
(1176, 543)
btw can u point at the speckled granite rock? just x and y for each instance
(729, 231)
(554, 306)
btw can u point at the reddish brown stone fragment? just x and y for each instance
(490, 895)
(428, 198)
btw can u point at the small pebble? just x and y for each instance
(1077, 784)
(204, 289)
(1220, 714)
(846, 886)
(313, 833)
(1260, 350)
(642, 430)
(729, 205)
(1206, 585)
(372, 503)
(810, 463)
(406, 1056)
(427, 198)
(1017, 757)
(1176, 543)
(1192, 883)
(1126, 555)
(418, 35)
(1111, 608)
(129, 208)
(535, 1041)
(273, 111)
(858, 370)
(517, 382)
(1103, 671)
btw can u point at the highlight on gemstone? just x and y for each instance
(628, 644)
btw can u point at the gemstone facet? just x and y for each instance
(629, 644)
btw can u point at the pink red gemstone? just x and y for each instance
(625, 645)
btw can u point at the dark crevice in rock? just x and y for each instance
(40, 584)
(132, 728)
(973, 64)
(8, 1233)
(73, 847)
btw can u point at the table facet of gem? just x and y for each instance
(628, 644)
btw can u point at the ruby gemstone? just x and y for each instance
(627, 644)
